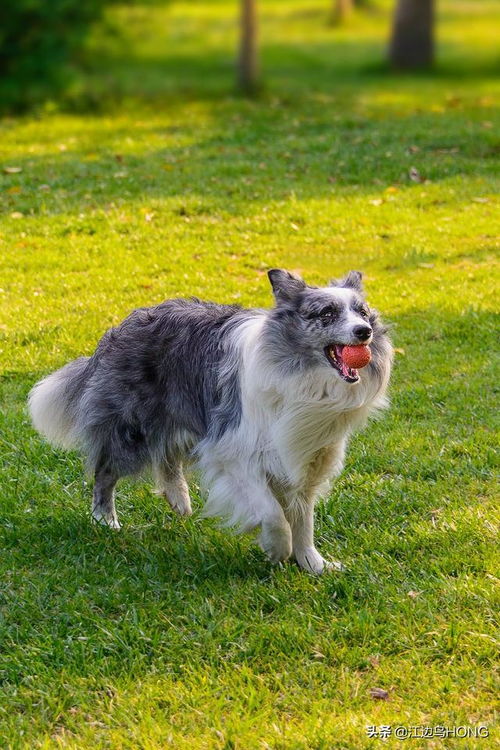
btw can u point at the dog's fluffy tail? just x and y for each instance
(53, 403)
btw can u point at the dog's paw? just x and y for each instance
(276, 542)
(182, 508)
(105, 519)
(310, 560)
(178, 501)
(180, 505)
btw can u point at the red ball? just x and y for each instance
(356, 356)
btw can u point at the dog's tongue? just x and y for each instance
(346, 370)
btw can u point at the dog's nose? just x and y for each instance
(362, 332)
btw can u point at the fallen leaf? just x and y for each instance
(294, 226)
(415, 175)
(413, 594)
(44, 187)
(379, 694)
(481, 200)
(16, 215)
(12, 170)
(14, 189)
(426, 265)
(376, 202)
(318, 655)
(487, 124)
(391, 189)
(434, 514)
(400, 350)
(120, 175)
(413, 149)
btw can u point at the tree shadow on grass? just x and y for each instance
(291, 70)
(251, 156)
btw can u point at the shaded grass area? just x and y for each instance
(173, 633)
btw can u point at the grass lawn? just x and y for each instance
(171, 632)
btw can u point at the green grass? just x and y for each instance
(171, 632)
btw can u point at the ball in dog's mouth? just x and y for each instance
(347, 360)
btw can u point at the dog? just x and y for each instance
(259, 400)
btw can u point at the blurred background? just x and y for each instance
(73, 55)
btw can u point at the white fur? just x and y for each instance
(47, 410)
(290, 441)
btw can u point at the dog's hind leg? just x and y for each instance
(103, 505)
(171, 484)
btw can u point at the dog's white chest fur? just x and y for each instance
(307, 419)
(292, 432)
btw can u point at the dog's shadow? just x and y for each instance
(175, 549)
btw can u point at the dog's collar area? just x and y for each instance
(333, 353)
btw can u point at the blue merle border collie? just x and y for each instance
(260, 401)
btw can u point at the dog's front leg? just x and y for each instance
(248, 504)
(304, 551)
(276, 535)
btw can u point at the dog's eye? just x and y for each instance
(364, 312)
(326, 315)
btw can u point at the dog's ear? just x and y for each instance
(285, 285)
(353, 280)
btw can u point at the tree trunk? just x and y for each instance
(341, 10)
(412, 42)
(248, 66)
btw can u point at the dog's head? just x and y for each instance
(310, 326)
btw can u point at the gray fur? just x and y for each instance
(154, 378)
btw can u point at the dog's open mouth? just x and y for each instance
(333, 354)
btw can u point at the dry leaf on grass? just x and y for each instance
(379, 693)
(317, 655)
(415, 175)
